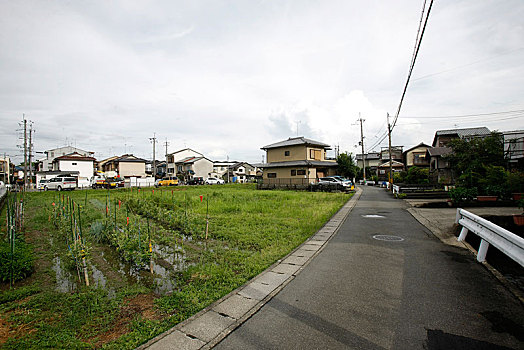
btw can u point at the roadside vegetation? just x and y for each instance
(480, 168)
(112, 269)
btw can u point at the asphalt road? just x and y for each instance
(365, 293)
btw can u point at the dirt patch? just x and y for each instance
(7, 331)
(141, 305)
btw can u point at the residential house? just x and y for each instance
(443, 137)
(416, 156)
(126, 166)
(514, 148)
(190, 167)
(372, 160)
(383, 169)
(46, 164)
(73, 163)
(242, 172)
(6, 170)
(297, 160)
(439, 169)
(173, 158)
(220, 169)
(160, 168)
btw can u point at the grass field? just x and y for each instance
(147, 258)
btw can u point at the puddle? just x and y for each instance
(64, 279)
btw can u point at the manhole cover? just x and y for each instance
(375, 216)
(388, 238)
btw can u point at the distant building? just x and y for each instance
(297, 160)
(75, 162)
(443, 137)
(417, 156)
(46, 164)
(190, 167)
(514, 148)
(126, 166)
(173, 158)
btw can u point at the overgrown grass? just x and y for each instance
(248, 231)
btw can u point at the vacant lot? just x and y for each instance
(152, 258)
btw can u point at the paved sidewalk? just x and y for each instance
(208, 327)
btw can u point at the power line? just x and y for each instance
(418, 42)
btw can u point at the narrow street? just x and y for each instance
(385, 282)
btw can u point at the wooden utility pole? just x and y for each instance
(390, 157)
(362, 144)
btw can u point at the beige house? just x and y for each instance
(298, 161)
(416, 156)
(126, 166)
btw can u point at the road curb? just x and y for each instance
(211, 325)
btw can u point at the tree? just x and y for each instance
(346, 165)
(472, 160)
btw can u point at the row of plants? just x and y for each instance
(248, 230)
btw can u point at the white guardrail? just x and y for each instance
(504, 240)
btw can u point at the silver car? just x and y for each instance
(61, 183)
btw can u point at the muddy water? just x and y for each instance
(64, 279)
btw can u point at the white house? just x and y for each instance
(47, 163)
(220, 168)
(76, 162)
(173, 158)
(191, 167)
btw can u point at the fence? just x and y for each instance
(507, 242)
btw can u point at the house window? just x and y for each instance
(293, 172)
(315, 154)
(73, 163)
(419, 158)
(271, 175)
(286, 153)
(301, 172)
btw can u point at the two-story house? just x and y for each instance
(242, 172)
(439, 170)
(126, 166)
(297, 160)
(416, 156)
(46, 164)
(173, 158)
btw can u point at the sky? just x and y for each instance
(226, 78)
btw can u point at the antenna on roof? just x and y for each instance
(298, 122)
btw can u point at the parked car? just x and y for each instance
(214, 181)
(196, 181)
(331, 180)
(167, 181)
(61, 183)
(41, 184)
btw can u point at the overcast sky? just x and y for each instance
(228, 77)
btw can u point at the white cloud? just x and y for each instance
(229, 78)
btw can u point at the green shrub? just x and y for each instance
(22, 261)
(460, 194)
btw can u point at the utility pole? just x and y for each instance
(30, 154)
(390, 157)
(362, 144)
(153, 139)
(25, 152)
(166, 144)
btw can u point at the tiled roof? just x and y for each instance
(293, 141)
(462, 133)
(439, 151)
